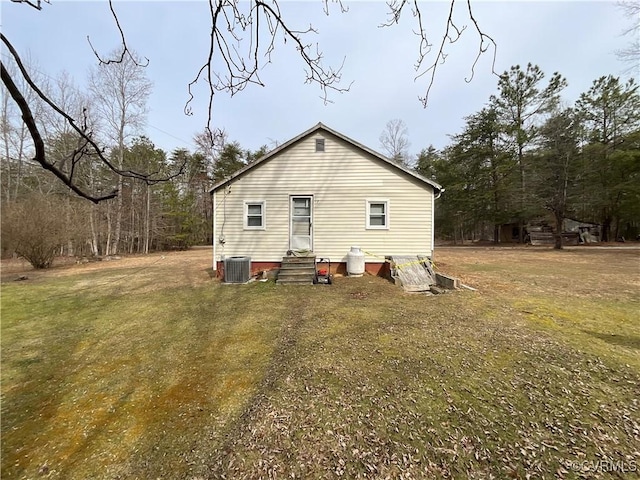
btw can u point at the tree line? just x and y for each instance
(43, 218)
(525, 157)
(529, 157)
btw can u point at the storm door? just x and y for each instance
(301, 224)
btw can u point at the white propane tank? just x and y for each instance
(355, 262)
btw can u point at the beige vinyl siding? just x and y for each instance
(341, 180)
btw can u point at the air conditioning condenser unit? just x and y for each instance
(237, 269)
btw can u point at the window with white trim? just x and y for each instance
(378, 214)
(254, 215)
(319, 144)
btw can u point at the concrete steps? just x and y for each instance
(297, 271)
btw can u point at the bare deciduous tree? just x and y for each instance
(394, 141)
(120, 91)
(211, 149)
(631, 54)
(17, 145)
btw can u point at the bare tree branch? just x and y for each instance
(441, 56)
(125, 48)
(83, 132)
(241, 66)
(482, 47)
(37, 5)
(452, 34)
(325, 8)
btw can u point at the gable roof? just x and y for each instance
(312, 130)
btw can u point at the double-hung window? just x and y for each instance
(255, 215)
(378, 214)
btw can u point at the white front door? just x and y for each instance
(301, 223)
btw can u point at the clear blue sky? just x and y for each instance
(577, 39)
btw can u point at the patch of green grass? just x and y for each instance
(356, 379)
(607, 328)
(97, 383)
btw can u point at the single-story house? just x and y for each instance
(323, 192)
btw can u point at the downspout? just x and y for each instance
(215, 239)
(433, 222)
(434, 197)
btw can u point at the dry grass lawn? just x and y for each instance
(146, 367)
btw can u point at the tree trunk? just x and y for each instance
(118, 226)
(606, 229)
(94, 235)
(146, 221)
(616, 228)
(5, 137)
(19, 166)
(559, 218)
(107, 247)
(133, 223)
(523, 184)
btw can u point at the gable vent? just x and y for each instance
(237, 269)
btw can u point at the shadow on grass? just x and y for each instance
(629, 341)
(36, 375)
